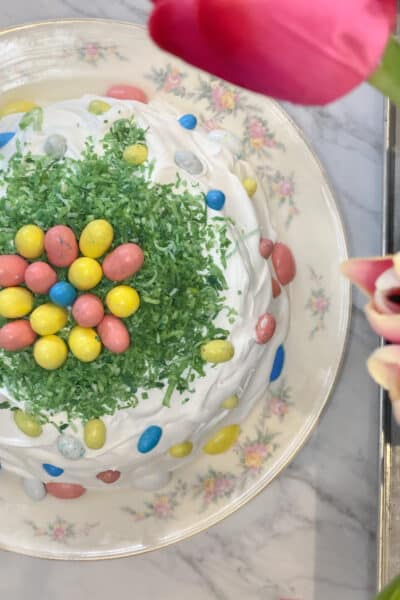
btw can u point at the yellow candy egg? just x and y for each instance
(95, 434)
(15, 302)
(29, 241)
(50, 352)
(181, 450)
(98, 107)
(19, 106)
(136, 154)
(230, 402)
(250, 185)
(27, 424)
(48, 318)
(96, 238)
(217, 351)
(85, 273)
(222, 440)
(123, 301)
(84, 343)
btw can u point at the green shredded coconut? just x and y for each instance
(180, 286)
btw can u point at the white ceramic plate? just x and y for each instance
(50, 61)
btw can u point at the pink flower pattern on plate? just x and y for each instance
(318, 303)
(61, 531)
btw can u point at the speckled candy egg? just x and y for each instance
(56, 146)
(16, 335)
(61, 246)
(189, 162)
(123, 262)
(12, 270)
(39, 277)
(34, 488)
(88, 310)
(70, 447)
(265, 328)
(114, 334)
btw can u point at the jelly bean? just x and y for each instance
(188, 162)
(250, 185)
(15, 302)
(70, 447)
(52, 470)
(29, 241)
(39, 277)
(12, 270)
(217, 351)
(6, 137)
(181, 450)
(222, 440)
(34, 488)
(127, 92)
(98, 107)
(266, 246)
(277, 366)
(95, 434)
(265, 328)
(50, 352)
(215, 199)
(149, 439)
(96, 238)
(85, 273)
(61, 246)
(123, 301)
(276, 288)
(230, 402)
(226, 139)
(284, 265)
(123, 262)
(16, 335)
(84, 343)
(48, 318)
(65, 491)
(113, 334)
(29, 425)
(18, 106)
(63, 293)
(108, 476)
(56, 146)
(135, 154)
(88, 310)
(188, 121)
(150, 482)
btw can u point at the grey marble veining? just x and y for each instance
(311, 534)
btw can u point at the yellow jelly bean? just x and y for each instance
(84, 343)
(48, 318)
(136, 154)
(27, 424)
(98, 107)
(222, 440)
(181, 450)
(96, 238)
(15, 302)
(50, 352)
(19, 106)
(29, 241)
(250, 185)
(85, 273)
(217, 351)
(230, 402)
(95, 434)
(123, 301)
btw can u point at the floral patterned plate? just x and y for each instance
(56, 60)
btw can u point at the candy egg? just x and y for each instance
(34, 488)
(149, 439)
(123, 301)
(222, 440)
(63, 293)
(226, 139)
(65, 491)
(123, 262)
(278, 364)
(56, 146)
(217, 351)
(84, 343)
(108, 476)
(96, 238)
(95, 434)
(215, 199)
(61, 246)
(135, 154)
(113, 334)
(181, 450)
(29, 241)
(16, 335)
(18, 106)
(250, 185)
(265, 328)
(266, 246)
(98, 107)
(70, 447)
(152, 481)
(127, 92)
(50, 352)
(188, 162)
(48, 318)
(6, 137)
(27, 424)
(15, 302)
(284, 265)
(85, 273)
(39, 277)
(12, 270)
(188, 121)
(88, 310)
(52, 470)
(230, 402)
(276, 288)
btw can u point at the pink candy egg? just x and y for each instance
(16, 335)
(284, 265)
(265, 328)
(65, 491)
(109, 476)
(114, 334)
(61, 246)
(276, 288)
(40, 277)
(12, 270)
(123, 262)
(266, 247)
(88, 310)
(127, 92)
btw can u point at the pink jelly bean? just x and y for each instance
(40, 277)
(284, 265)
(265, 328)
(65, 491)
(109, 476)
(276, 288)
(61, 246)
(127, 92)
(12, 270)
(266, 247)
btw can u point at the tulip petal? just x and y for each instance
(387, 326)
(363, 272)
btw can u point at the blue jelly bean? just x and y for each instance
(63, 293)
(215, 199)
(52, 470)
(6, 137)
(188, 121)
(279, 361)
(149, 439)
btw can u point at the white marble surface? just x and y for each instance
(311, 534)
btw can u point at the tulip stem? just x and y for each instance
(386, 78)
